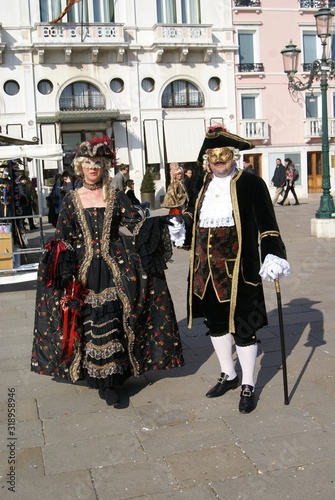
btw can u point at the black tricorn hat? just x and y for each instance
(96, 147)
(219, 137)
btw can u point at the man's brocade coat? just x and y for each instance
(255, 225)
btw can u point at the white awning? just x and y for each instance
(38, 151)
(121, 142)
(183, 139)
(10, 139)
(152, 141)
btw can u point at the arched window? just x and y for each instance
(182, 94)
(81, 96)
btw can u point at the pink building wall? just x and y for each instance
(275, 23)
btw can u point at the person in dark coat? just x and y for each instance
(278, 180)
(26, 201)
(247, 167)
(233, 211)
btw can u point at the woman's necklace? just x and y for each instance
(92, 187)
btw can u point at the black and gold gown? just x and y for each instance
(124, 315)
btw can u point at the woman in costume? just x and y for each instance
(176, 198)
(103, 308)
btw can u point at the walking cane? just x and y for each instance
(282, 339)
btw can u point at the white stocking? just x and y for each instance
(223, 348)
(247, 358)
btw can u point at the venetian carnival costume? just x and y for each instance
(103, 308)
(176, 197)
(232, 212)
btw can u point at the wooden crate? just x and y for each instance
(6, 251)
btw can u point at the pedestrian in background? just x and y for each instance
(54, 200)
(119, 180)
(26, 201)
(247, 167)
(279, 181)
(291, 176)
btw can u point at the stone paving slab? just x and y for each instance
(259, 425)
(92, 425)
(293, 450)
(91, 453)
(29, 434)
(66, 486)
(14, 363)
(134, 479)
(210, 464)
(197, 493)
(196, 435)
(302, 482)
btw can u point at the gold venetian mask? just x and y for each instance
(220, 155)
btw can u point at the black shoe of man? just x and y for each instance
(223, 386)
(247, 401)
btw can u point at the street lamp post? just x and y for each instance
(321, 70)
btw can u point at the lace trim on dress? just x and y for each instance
(105, 351)
(103, 325)
(103, 372)
(97, 300)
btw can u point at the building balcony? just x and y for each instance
(82, 103)
(250, 69)
(313, 129)
(185, 38)
(247, 3)
(255, 130)
(183, 100)
(74, 37)
(316, 4)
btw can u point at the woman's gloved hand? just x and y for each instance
(177, 231)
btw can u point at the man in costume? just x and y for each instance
(232, 211)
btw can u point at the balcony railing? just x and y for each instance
(255, 130)
(247, 3)
(316, 4)
(187, 100)
(89, 34)
(313, 128)
(82, 103)
(250, 68)
(177, 33)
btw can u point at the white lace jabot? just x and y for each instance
(217, 210)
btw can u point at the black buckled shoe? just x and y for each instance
(247, 402)
(223, 386)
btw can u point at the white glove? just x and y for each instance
(177, 232)
(274, 267)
